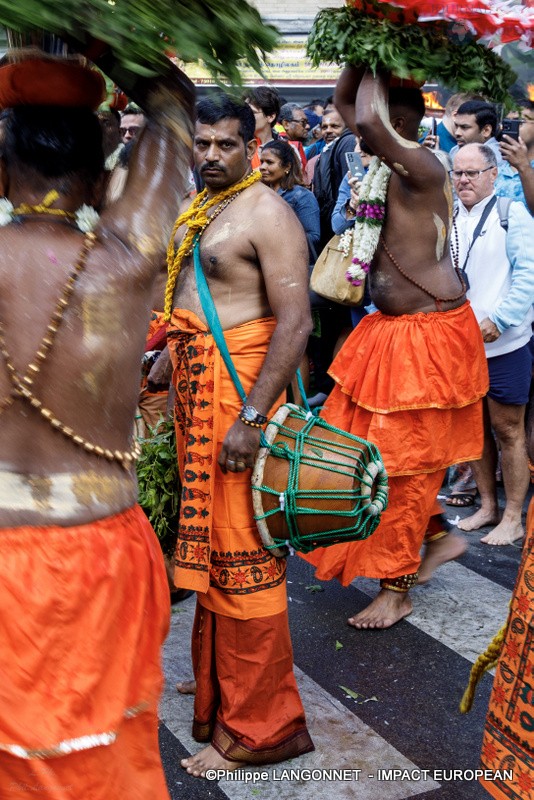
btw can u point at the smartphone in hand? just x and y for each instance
(355, 165)
(511, 128)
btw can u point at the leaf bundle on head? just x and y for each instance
(142, 33)
(420, 51)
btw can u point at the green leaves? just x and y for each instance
(423, 52)
(215, 31)
(159, 484)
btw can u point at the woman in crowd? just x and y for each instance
(280, 169)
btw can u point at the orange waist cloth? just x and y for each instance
(83, 613)
(258, 718)
(508, 742)
(412, 385)
(219, 551)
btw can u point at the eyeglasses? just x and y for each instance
(470, 174)
(132, 130)
(302, 122)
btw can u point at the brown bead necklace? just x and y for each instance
(438, 300)
(22, 385)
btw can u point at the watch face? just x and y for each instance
(249, 413)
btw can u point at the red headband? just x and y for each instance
(48, 82)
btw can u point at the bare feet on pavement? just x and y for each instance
(439, 552)
(187, 687)
(479, 519)
(387, 608)
(505, 533)
(208, 759)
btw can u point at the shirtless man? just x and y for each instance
(400, 378)
(254, 256)
(81, 571)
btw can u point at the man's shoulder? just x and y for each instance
(264, 205)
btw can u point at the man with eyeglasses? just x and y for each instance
(498, 259)
(132, 121)
(296, 127)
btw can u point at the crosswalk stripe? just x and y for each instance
(342, 740)
(458, 607)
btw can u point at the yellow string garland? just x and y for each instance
(196, 219)
(44, 207)
(484, 662)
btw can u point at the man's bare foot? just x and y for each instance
(479, 519)
(439, 552)
(505, 533)
(387, 608)
(208, 759)
(187, 687)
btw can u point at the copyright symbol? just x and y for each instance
(211, 774)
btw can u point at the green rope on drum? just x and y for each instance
(367, 469)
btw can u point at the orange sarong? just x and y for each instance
(508, 742)
(247, 702)
(412, 385)
(84, 611)
(219, 551)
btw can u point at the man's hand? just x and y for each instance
(431, 141)
(355, 184)
(515, 153)
(239, 449)
(161, 373)
(489, 330)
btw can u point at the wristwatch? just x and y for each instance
(251, 416)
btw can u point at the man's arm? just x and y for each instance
(416, 165)
(517, 303)
(345, 95)
(159, 166)
(516, 154)
(282, 253)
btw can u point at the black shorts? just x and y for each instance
(510, 376)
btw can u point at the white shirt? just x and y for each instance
(500, 270)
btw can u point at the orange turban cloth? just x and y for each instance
(50, 82)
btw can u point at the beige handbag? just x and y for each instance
(328, 275)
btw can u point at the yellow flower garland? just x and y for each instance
(196, 219)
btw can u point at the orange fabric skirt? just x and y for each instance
(412, 386)
(83, 613)
(405, 384)
(394, 548)
(219, 551)
(509, 732)
(247, 702)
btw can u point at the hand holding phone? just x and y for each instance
(511, 128)
(355, 165)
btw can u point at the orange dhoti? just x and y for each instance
(412, 385)
(509, 733)
(84, 611)
(247, 703)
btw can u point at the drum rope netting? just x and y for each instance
(365, 466)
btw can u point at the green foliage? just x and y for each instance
(159, 484)
(217, 32)
(422, 52)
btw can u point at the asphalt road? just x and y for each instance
(397, 733)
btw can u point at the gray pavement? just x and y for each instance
(397, 733)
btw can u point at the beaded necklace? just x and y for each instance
(22, 384)
(437, 300)
(197, 220)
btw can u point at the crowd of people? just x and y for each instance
(230, 324)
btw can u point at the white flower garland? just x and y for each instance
(86, 216)
(370, 216)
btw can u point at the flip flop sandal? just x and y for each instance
(460, 500)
